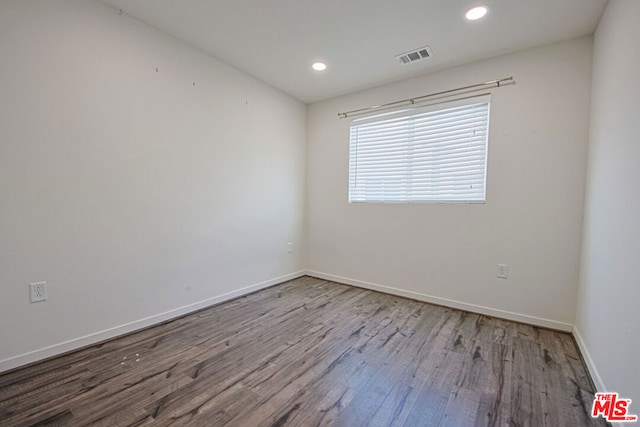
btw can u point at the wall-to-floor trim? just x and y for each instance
(591, 367)
(596, 379)
(94, 338)
(523, 318)
(586, 356)
(91, 339)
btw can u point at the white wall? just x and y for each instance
(136, 195)
(532, 219)
(608, 317)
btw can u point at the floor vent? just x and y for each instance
(415, 55)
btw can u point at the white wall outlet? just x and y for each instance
(38, 291)
(290, 247)
(503, 271)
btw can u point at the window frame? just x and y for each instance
(355, 196)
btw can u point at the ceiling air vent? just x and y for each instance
(415, 55)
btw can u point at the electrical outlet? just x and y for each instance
(38, 291)
(503, 271)
(290, 247)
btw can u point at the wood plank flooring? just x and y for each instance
(312, 353)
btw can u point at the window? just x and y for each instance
(432, 154)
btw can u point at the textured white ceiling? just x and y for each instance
(277, 40)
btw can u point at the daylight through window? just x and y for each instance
(431, 154)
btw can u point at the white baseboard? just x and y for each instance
(532, 320)
(94, 338)
(595, 376)
(591, 367)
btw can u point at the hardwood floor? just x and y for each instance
(312, 353)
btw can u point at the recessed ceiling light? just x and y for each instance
(319, 66)
(476, 12)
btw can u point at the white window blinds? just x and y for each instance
(434, 154)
